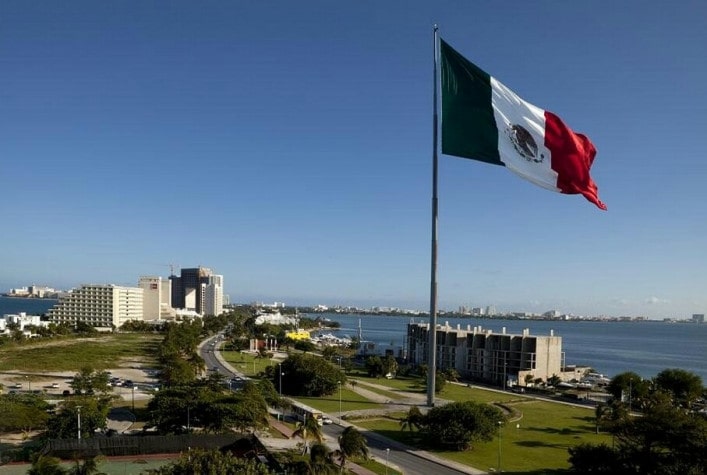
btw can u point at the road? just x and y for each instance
(409, 463)
(398, 456)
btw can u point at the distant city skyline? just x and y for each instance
(288, 146)
(367, 305)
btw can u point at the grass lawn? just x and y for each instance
(71, 354)
(350, 401)
(247, 363)
(536, 443)
(377, 467)
(382, 392)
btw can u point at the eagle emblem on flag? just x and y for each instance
(524, 143)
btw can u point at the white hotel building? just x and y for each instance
(101, 306)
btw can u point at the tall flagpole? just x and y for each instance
(432, 347)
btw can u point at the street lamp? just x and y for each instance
(78, 415)
(133, 398)
(339, 402)
(279, 370)
(499, 445)
(387, 453)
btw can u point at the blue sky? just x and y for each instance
(287, 145)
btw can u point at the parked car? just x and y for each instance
(327, 420)
(55, 385)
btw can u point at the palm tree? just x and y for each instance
(44, 465)
(351, 444)
(89, 466)
(601, 413)
(413, 419)
(308, 428)
(320, 460)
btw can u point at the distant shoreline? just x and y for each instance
(28, 297)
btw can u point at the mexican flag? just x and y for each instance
(484, 120)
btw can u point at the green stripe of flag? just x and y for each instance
(468, 125)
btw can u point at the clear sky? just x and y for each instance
(287, 145)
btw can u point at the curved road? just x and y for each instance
(399, 456)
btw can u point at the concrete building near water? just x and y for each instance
(101, 306)
(481, 355)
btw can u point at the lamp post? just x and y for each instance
(133, 398)
(78, 416)
(499, 446)
(339, 402)
(387, 453)
(279, 370)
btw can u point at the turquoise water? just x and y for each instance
(609, 347)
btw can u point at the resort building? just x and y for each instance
(198, 289)
(101, 306)
(156, 297)
(481, 355)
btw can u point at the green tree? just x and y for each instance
(87, 466)
(601, 413)
(328, 352)
(629, 387)
(665, 439)
(352, 444)
(390, 365)
(457, 425)
(309, 428)
(44, 465)
(90, 381)
(23, 412)
(440, 382)
(64, 423)
(208, 462)
(412, 420)
(268, 391)
(683, 386)
(305, 346)
(320, 460)
(589, 458)
(374, 366)
(173, 409)
(554, 380)
(308, 375)
(451, 374)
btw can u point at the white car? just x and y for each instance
(327, 420)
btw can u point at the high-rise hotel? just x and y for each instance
(197, 292)
(198, 289)
(101, 306)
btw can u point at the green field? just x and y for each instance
(350, 401)
(535, 440)
(71, 354)
(247, 363)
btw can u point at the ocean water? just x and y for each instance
(29, 306)
(610, 348)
